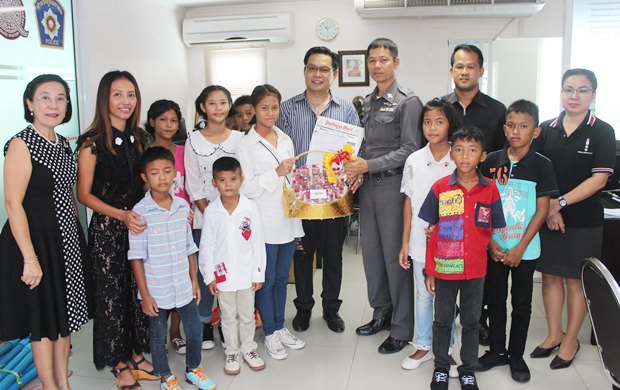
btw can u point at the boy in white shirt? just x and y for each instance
(232, 259)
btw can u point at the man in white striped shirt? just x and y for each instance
(298, 116)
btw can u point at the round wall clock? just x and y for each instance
(327, 29)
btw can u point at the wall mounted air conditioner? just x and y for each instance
(447, 8)
(269, 28)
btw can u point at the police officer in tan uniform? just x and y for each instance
(391, 134)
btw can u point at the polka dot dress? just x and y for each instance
(58, 240)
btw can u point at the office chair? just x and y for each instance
(181, 136)
(603, 299)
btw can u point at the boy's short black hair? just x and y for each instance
(224, 164)
(241, 100)
(468, 133)
(526, 107)
(155, 153)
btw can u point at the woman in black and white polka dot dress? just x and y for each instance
(43, 258)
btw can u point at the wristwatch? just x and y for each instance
(563, 202)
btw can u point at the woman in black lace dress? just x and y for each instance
(43, 286)
(109, 184)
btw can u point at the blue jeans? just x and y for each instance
(424, 311)
(271, 298)
(158, 327)
(205, 307)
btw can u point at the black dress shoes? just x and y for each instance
(540, 352)
(334, 321)
(392, 345)
(558, 363)
(375, 326)
(301, 322)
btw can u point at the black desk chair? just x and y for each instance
(603, 299)
(181, 136)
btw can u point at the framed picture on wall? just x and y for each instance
(353, 71)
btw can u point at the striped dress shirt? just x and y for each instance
(297, 119)
(164, 247)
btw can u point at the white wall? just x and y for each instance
(423, 43)
(140, 36)
(144, 37)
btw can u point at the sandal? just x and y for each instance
(139, 373)
(117, 372)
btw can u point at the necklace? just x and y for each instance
(53, 143)
(319, 108)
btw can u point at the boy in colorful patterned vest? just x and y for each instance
(462, 209)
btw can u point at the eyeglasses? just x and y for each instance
(47, 100)
(313, 69)
(569, 91)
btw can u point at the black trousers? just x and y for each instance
(470, 299)
(521, 299)
(327, 237)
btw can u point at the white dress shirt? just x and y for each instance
(200, 154)
(232, 246)
(259, 160)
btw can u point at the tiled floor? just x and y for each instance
(345, 361)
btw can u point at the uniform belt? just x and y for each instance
(381, 175)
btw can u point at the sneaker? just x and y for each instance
(254, 360)
(171, 383)
(440, 380)
(410, 363)
(454, 371)
(274, 347)
(257, 319)
(519, 369)
(468, 381)
(207, 337)
(179, 345)
(289, 340)
(232, 366)
(221, 332)
(491, 359)
(198, 378)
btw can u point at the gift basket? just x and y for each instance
(320, 191)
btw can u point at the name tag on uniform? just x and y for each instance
(386, 109)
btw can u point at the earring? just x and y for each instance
(31, 113)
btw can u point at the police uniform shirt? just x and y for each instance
(391, 128)
(591, 148)
(487, 114)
